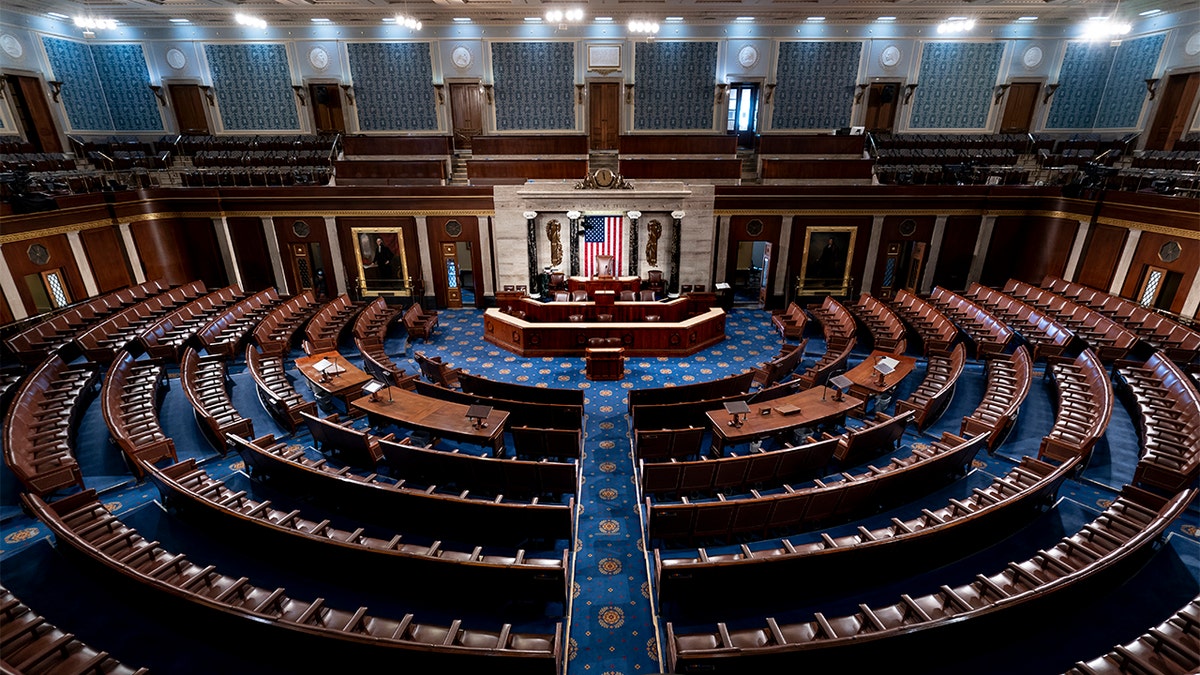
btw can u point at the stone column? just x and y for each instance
(676, 227)
(935, 249)
(981, 248)
(573, 228)
(634, 265)
(268, 226)
(1125, 261)
(131, 252)
(427, 258)
(228, 255)
(81, 261)
(1077, 250)
(9, 287)
(872, 254)
(335, 254)
(531, 240)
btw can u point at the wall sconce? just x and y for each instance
(629, 94)
(1151, 85)
(348, 90)
(441, 96)
(1000, 91)
(720, 94)
(299, 89)
(908, 92)
(860, 89)
(55, 89)
(210, 95)
(579, 93)
(770, 92)
(1050, 89)
(158, 94)
(487, 91)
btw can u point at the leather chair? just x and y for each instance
(627, 296)
(558, 281)
(654, 280)
(604, 317)
(687, 288)
(579, 296)
(647, 296)
(562, 296)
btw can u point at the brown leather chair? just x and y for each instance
(653, 317)
(558, 281)
(654, 280)
(646, 296)
(604, 317)
(627, 296)
(579, 296)
(562, 296)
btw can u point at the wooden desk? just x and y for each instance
(444, 419)
(345, 385)
(570, 338)
(813, 411)
(593, 284)
(866, 381)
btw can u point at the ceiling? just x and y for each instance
(152, 13)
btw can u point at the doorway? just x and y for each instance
(33, 113)
(882, 98)
(466, 273)
(466, 113)
(1174, 111)
(1018, 110)
(451, 274)
(750, 272)
(327, 108)
(604, 115)
(306, 268)
(49, 289)
(190, 114)
(903, 267)
(743, 113)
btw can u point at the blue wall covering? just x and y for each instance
(534, 85)
(956, 85)
(254, 87)
(82, 96)
(816, 84)
(393, 86)
(1103, 87)
(676, 84)
(126, 82)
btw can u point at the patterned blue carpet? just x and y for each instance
(613, 627)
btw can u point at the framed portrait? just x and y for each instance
(825, 267)
(382, 267)
(604, 58)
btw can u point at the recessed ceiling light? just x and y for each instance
(388, 19)
(886, 18)
(56, 15)
(533, 19)
(1150, 12)
(815, 19)
(673, 19)
(319, 20)
(1026, 18)
(744, 19)
(604, 19)
(179, 20)
(461, 19)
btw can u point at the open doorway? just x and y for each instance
(749, 275)
(743, 112)
(466, 273)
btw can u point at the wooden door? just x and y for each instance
(743, 113)
(33, 112)
(449, 271)
(764, 283)
(604, 115)
(188, 103)
(882, 99)
(1018, 110)
(466, 113)
(1178, 102)
(327, 108)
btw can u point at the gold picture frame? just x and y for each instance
(376, 278)
(825, 265)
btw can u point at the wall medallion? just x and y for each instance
(12, 46)
(890, 56)
(38, 255)
(176, 59)
(1032, 57)
(1169, 252)
(461, 57)
(453, 228)
(301, 228)
(748, 56)
(319, 58)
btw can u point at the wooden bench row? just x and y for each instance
(82, 523)
(664, 445)
(325, 328)
(790, 322)
(699, 391)
(205, 385)
(167, 337)
(837, 323)
(549, 416)
(933, 395)
(895, 549)
(825, 501)
(1085, 402)
(1047, 337)
(102, 341)
(513, 477)
(420, 322)
(437, 371)
(1168, 422)
(275, 391)
(780, 367)
(1171, 648)
(370, 330)
(342, 441)
(989, 333)
(737, 473)
(937, 333)
(40, 423)
(475, 384)
(883, 634)
(1180, 343)
(472, 571)
(1009, 379)
(1109, 339)
(278, 329)
(129, 399)
(225, 333)
(887, 331)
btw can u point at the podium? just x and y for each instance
(604, 359)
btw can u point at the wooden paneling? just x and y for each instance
(1098, 263)
(326, 102)
(543, 144)
(35, 113)
(882, 100)
(412, 247)
(179, 250)
(957, 252)
(771, 228)
(604, 115)
(637, 338)
(436, 228)
(890, 235)
(394, 172)
(712, 169)
(16, 256)
(106, 256)
(678, 144)
(396, 145)
(250, 248)
(777, 168)
(1177, 100)
(188, 103)
(517, 171)
(1018, 109)
(810, 144)
(1028, 248)
(6, 315)
(285, 231)
(1147, 253)
(466, 112)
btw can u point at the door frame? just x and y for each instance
(866, 104)
(209, 113)
(311, 117)
(760, 93)
(486, 120)
(1036, 115)
(1155, 106)
(58, 114)
(587, 85)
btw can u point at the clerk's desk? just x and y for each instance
(441, 419)
(815, 406)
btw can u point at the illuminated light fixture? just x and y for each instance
(179, 20)
(56, 15)
(886, 19)
(647, 27)
(91, 24)
(533, 19)
(319, 20)
(389, 19)
(673, 19)
(461, 19)
(815, 19)
(410, 22)
(250, 21)
(1104, 28)
(1150, 12)
(603, 19)
(955, 25)
(744, 19)
(1027, 18)
(559, 16)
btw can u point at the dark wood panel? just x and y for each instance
(810, 144)
(106, 256)
(723, 169)
(179, 250)
(811, 169)
(516, 171)
(1147, 254)
(1098, 263)
(436, 229)
(541, 144)
(409, 171)
(188, 103)
(35, 113)
(396, 145)
(678, 144)
(60, 256)
(957, 252)
(637, 338)
(6, 315)
(285, 231)
(891, 237)
(604, 115)
(1028, 248)
(250, 248)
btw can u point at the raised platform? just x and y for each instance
(638, 338)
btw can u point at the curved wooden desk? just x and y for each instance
(812, 406)
(345, 380)
(443, 419)
(867, 382)
(638, 338)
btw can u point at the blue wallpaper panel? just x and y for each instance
(1081, 80)
(534, 85)
(82, 95)
(676, 84)
(393, 86)
(254, 87)
(1126, 91)
(126, 81)
(816, 84)
(957, 80)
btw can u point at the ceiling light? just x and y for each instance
(638, 26)
(886, 18)
(673, 19)
(251, 21)
(56, 15)
(1104, 28)
(319, 20)
(744, 19)
(815, 19)
(955, 26)
(92, 24)
(603, 19)
(179, 20)
(554, 15)
(389, 19)
(1150, 12)
(533, 19)
(1026, 18)
(461, 19)
(575, 14)
(410, 22)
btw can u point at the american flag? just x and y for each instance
(601, 236)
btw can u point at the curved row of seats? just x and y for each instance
(780, 367)
(736, 473)
(551, 417)
(370, 330)
(102, 341)
(897, 548)
(1180, 343)
(733, 385)
(887, 332)
(129, 399)
(227, 331)
(420, 322)
(437, 371)
(1109, 339)
(790, 322)
(1009, 379)
(275, 391)
(933, 395)
(325, 328)
(205, 382)
(511, 477)
(990, 334)
(937, 333)
(1044, 334)
(839, 329)
(1168, 422)
(39, 427)
(276, 331)
(472, 572)
(1128, 528)
(31, 644)
(1085, 402)
(167, 337)
(82, 523)
(1168, 648)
